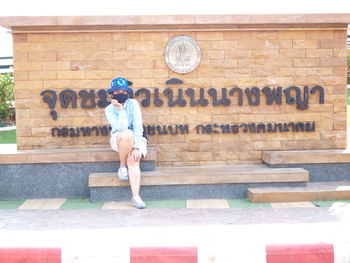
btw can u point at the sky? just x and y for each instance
(160, 7)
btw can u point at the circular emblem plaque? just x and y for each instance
(182, 54)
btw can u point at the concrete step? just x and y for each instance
(310, 192)
(56, 173)
(206, 175)
(307, 157)
(323, 165)
(229, 181)
(10, 155)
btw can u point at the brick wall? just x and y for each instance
(76, 61)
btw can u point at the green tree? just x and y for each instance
(348, 64)
(6, 97)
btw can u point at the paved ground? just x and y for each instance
(330, 216)
(106, 219)
(220, 228)
(105, 235)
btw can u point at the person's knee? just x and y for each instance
(133, 161)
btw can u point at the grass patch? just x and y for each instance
(11, 204)
(8, 137)
(244, 203)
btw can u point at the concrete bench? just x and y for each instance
(227, 181)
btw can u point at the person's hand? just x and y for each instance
(134, 155)
(115, 103)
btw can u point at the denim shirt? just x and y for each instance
(130, 118)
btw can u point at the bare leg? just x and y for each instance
(134, 175)
(125, 142)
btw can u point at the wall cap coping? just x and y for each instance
(142, 20)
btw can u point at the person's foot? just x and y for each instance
(123, 174)
(137, 202)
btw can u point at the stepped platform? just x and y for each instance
(311, 192)
(56, 173)
(229, 181)
(328, 170)
(323, 165)
(10, 155)
(306, 157)
(84, 173)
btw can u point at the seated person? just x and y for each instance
(125, 118)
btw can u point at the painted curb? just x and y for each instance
(30, 255)
(270, 253)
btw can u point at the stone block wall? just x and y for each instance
(243, 58)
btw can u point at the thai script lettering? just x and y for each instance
(179, 97)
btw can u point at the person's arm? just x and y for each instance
(137, 124)
(117, 119)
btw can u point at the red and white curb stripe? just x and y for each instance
(30, 255)
(271, 253)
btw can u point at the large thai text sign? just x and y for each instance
(253, 96)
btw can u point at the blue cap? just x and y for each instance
(119, 84)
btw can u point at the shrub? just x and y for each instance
(348, 64)
(7, 112)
